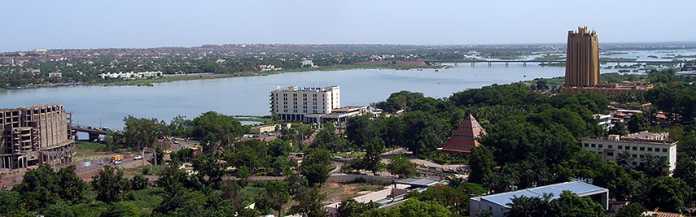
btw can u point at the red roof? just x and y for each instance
(465, 137)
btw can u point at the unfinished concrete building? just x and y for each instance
(36, 135)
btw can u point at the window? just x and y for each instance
(620, 147)
(593, 145)
(610, 154)
(611, 146)
(664, 150)
(600, 146)
(650, 149)
(642, 148)
(635, 148)
(587, 145)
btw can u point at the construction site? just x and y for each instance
(39, 134)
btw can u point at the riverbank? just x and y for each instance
(204, 76)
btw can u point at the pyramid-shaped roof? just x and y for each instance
(465, 137)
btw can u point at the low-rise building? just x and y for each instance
(55, 75)
(636, 147)
(465, 138)
(498, 205)
(263, 129)
(131, 75)
(604, 121)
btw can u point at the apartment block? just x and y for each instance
(297, 104)
(636, 147)
(35, 135)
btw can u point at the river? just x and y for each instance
(106, 106)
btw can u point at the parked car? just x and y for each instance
(138, 157)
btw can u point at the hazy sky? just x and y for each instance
(29, 24)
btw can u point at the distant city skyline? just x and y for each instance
(33, 24)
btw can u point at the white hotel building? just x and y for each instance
(299, 104)
(637, 145)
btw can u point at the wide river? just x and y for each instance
(106, 106)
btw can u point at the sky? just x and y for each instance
(31, 24)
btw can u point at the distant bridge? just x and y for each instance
(524, 62)
(93, 132)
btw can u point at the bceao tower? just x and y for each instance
(582, 60)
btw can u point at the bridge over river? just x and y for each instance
(678, 63)
(93, 132)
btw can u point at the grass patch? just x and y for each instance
(88, 150)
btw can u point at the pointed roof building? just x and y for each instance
(465, 138)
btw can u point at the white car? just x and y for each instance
(138, 157)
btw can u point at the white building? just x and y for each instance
(131, 75)
(637, 146)
(294, 104)
(604, 121)
(498, 205)
(307, 63)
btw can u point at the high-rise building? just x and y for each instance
(35, 135)
(294, 104)
(582, 60)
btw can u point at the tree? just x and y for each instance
(456, 199)
(38, 188)
(399, 100)
(402, 167)
(276, 195)
(351, 208)
(373, 152)
(214, 130)
(423, 132)
(413, 208)
(121, 210)
(109, 184)
(309, 203)
(567, 205)
(631, 210)
(209, 171)
(666, 193)
(637, 123)
(138, 182)
(316, 166)
(654, 166)
(392, 131)
(70, 187)
(530, 206)
(686, 169)
(618, 129)
(358, 130)
(296, 184)
(10, 204)
(481, 163)
(327, 139)
(141, 132)
(180, 126)
(571, 205)
(59, 209)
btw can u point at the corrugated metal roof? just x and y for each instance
(417, 182)
(555, 190)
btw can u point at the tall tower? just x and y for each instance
(582, 60)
